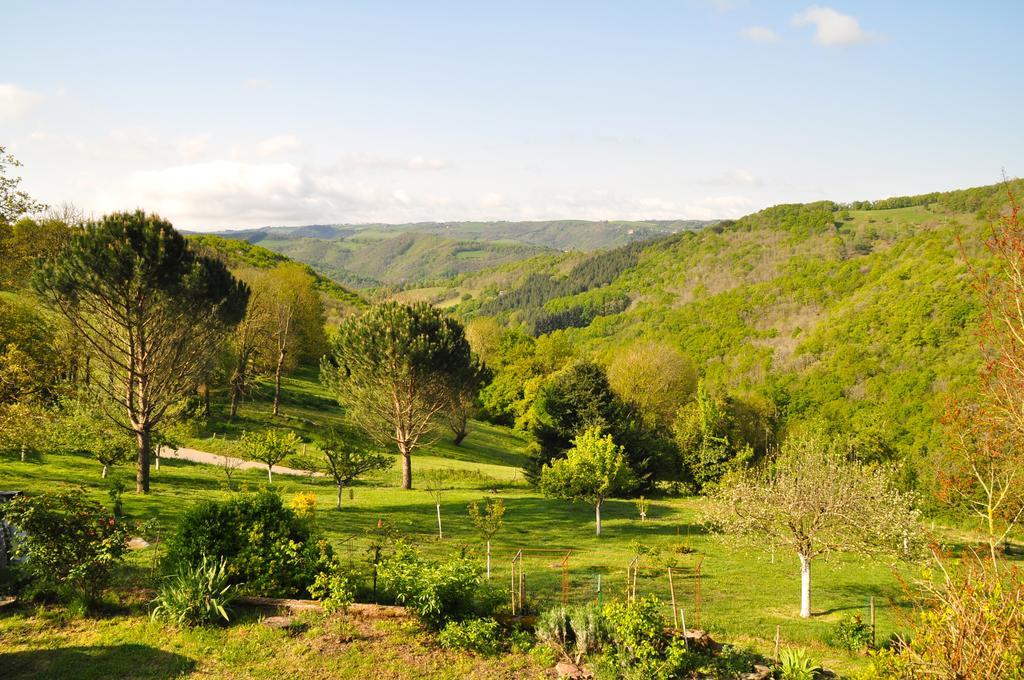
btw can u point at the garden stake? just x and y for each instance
(777, 643)
(672, 589)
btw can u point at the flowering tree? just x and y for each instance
(816, 500)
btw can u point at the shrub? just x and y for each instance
(637, 632)
(335, 589)
(436, 591)
(70, 543)
(474, 635)
(852, 634)
(270, 551)
(552, 628)
(196, 595)
(303, 504)
(796, 665)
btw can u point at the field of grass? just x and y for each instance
(744, 595)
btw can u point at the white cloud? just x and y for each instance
(17, 102)
(278, 144)
(193, 148)
(376, 162)
(761, 34)
(832, 28)
(257, 83)
(714, 207)
(737, 177)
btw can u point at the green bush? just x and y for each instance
(475, 635)
(436, 591)
(196, 595)
(575, 631)
(334, 588)
(70, 543)
(852, 634)
(270, 551)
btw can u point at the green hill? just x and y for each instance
(858, 314)
(338, 299)
(424, 253)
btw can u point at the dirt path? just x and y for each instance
(205, 458)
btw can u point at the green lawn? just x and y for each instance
(744, 596)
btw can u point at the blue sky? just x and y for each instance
(240, 114)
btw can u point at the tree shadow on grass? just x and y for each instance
(100, 661)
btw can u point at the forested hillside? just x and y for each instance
(861, 316)
(375, 255)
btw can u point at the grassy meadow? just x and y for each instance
(745, 594)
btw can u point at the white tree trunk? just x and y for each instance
(805, 586)
(488, 560)
(597, 514)
(439, 534)
(270, 474)
(103, 475)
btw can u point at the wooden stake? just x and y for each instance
(682, 615)
(672, 589)
(872, 622)
(777, 628)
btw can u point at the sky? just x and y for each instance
(224, 115)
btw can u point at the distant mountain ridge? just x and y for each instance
(422, 253)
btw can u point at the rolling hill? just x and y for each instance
(398, 255)
(862, 314)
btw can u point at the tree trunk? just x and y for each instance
(103, 474)
(339, 496)
(439, 533)
(406, 467)
(24, 450)
(805, 586)
(142, 473)
(597, 514)
(156, 458)
(236, 392)
(270, 474)
(488, 560)
(459, 436)
(277, 382)
(207, 412)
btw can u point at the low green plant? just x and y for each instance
(795, 664)
(335, 588)
(70, 544)
(436, 591)
(852, 634)
(197, 595)
(636, 630)
(270, 550)
(475, 635)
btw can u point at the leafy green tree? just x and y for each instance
(572, 401)
(816, 500)
(594, 469)
(14, 202)
(296, 316)
(31, 364)
(461, 397)
(487, 519)
(654, 378)
(393, 367)
(347, 457)
(702, 433)
(249, 352)
(149, 309)
(270, 447)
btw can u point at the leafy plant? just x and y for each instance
(196, 595)
(475, 635)
(636, 629)
(269, 549)
(436, 591)
(795, 664)
(852, 634)
(334, 588)
(70, 544)
(270, 447)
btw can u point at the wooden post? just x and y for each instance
(599, 589)
(697, 593)
(872, 622)
(672, 589)
(682, 615)
(777, 629)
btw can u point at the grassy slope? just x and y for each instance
(744, 595)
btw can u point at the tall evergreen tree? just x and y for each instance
(150, 310)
